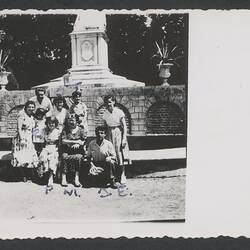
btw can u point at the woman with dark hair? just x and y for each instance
(73, 149)
(114, 119)
(24, 154)
(49, 155)
(60, 111)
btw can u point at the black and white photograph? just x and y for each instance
(93, 116)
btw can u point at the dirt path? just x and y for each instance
(154, 196)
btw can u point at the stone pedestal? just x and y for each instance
(90, 56)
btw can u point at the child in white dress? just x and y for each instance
(49, 155)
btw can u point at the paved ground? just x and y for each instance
(154, 196)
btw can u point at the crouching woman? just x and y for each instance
(102, 158)
(73, 149)
(49, 155)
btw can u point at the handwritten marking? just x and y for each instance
(122, 190)
(71, 191)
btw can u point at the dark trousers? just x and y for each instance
(109, 168)
(102, 179)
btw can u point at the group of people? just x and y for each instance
(53, 138)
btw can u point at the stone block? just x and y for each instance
(142, 127)
(141, 115)
(141, 98)
(135, 128)
(135, 103)
(134, 115)
(138, 109)
(141, 103)
(139, 121)
(139, 133)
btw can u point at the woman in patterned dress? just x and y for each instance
(24, 153)
(73, 149)
(114, 119)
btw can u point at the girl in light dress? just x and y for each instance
(49, 155)
(60, 111)
(114, 119)
(24, 153)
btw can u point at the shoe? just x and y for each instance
(77, 183)
(113, 184)
(64, 181)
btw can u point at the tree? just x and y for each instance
(41, 48)
(132, 44)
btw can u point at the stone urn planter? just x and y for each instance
(164, 72)
(4, 80)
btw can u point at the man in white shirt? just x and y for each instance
(102, 158)
(42, 101)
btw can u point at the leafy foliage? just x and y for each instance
(41, 49)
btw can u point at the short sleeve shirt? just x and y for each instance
(100, 153)
(45, 104)
(113, 119)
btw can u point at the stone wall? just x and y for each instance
(11, 102)
(148, 110)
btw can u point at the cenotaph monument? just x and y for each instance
(90, 56)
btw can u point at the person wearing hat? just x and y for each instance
(42, 101)
(79, 108)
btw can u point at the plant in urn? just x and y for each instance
(166, 58)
